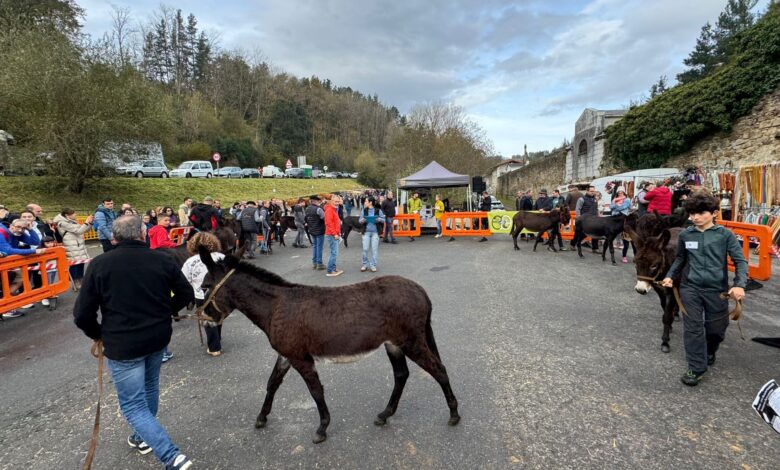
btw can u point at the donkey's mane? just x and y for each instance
(262, 274)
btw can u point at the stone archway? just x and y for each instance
(582, 149)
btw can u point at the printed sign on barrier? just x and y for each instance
(501, 221)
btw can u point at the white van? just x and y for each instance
(637, 176)
(271, 171)
(194, 169)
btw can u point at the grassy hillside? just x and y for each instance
(50, 192)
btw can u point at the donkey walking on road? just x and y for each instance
(303, 326)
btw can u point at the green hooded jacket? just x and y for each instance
(702, 258)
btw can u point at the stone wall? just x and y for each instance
(547, 172)
(754, 139)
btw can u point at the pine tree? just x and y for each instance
(701, 61)
(659, 87)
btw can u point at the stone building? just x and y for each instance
(506, 166)
(584, 158)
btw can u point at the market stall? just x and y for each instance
(433, 176)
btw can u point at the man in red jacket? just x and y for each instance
(660, 200)
(333, 234)
(158, 235)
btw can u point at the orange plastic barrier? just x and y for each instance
(464, 224)
(178, 235)
(402, 225)
(763, 235)
(21, 266)
(91, 234)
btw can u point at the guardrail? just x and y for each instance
(763, 235)
(20, 267)
(464, 224)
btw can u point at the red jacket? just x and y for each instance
(660, 199)
(332, 221)
(158, 238)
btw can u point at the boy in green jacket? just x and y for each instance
(701, 258)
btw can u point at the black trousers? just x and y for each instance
(107, 245)
(704, 325)
(213, 333)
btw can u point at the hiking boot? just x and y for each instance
(13, 314)
(139, 445)
(691, 378)
(181, 462)
(711, 359)
(335, 273)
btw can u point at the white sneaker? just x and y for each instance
(45, 302)
(27, 306)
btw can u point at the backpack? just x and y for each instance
(57, 234)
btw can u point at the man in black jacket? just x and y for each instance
(484, 206)
(204, 216)
(388, 208)
(137, 290)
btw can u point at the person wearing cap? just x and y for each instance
(542, 201)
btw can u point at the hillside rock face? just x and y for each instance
(754, 139)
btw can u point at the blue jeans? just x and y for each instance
(370, 249)
(388, 232)
(333, 246)
(316, 248)
(137, 383)
(438, 226)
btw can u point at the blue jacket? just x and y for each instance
(9, 243)
(622, 208)
(104, 219)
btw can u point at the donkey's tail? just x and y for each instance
(429, 331)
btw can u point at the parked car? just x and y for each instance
(271, 171)
(353, 175)
(293, 173)
(194, 169)
(330, 174)
(343, 174)
(229, 172)
(495, 204)
(146, 168)
(250, 173)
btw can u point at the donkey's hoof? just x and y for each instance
(454, 420)
(261, 422)
(665, 348)
(319, 438)
(380, 421)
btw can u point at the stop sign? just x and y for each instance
(288, 165)
(216, 156)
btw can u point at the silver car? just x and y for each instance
(194, 169)
(229, 172)
(146, 169)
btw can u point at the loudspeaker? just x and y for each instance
(477, 185)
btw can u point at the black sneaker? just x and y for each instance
(691, 378)
(181, 462)
(321, 267)
(484, 239)
(139, 445)
(710, 359)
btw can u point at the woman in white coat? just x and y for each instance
(73, 240)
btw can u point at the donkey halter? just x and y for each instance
(199, 313)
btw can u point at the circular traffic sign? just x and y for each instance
(325, 168)
(216, 156)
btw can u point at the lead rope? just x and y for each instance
(97, 352)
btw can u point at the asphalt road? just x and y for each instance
(555, 361)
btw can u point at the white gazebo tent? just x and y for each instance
(433, 176)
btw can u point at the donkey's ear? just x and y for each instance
(205, 258)
(241, 250)
(634, 236)
(663, 240)
(232, 260)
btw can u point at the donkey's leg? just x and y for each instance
(515, 232)
(401, 373)
(345, 236)
(274, 381)
(611, 241)
(308, 372)
(667, 319)
(427, 360)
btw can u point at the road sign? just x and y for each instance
(288, 165)
(324, 168)
(216, 156)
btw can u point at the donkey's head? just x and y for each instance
(565, 215)
(651, 259)
(219, 303)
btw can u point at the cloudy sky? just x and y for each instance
(523, 70)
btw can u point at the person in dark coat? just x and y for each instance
(388, 209)
(137, 290)
(541, 201)
(485, 206)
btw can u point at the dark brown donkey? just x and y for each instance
(654, 257)
(539, 222)
(307, 323)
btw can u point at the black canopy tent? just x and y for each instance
(434, 176)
